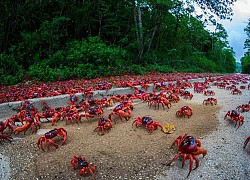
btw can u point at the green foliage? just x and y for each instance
(102, 59)
(10, 71)
(79, 40)
(158, 68)
(200, 63)
(245, 63)
(135, 69)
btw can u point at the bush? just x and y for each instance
(163, 68)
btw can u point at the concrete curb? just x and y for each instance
(9, 109)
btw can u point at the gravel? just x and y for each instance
(226, 158)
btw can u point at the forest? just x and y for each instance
(245, 60)
(50, 40)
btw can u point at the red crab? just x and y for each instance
(19, 117)
(246, 141)
(28, 107)
(30, 122)
(92, 112)
(236, 91)
(187, 95)
(184, 111)
(159, 99)
(125, 104)
(47, 138)
(232, 114)
(242, 87)
(173, 97)
(5, 137)
(103, 125)
(188, 148)
(86, 167)
(88, 91)
(125, 113)
(7, 123)
(147, 122)
(243, 107)
(46, 114)
(211, 101)
(73, 99)
(209, 92)
(72, 116)
(235, 116)
(45, 106)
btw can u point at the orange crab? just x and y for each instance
(86, 167)
(147, 122)
(47, 138)
(188, 148)
(103, 125)
(184, 111)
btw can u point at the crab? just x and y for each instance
(232, 114)
(188, 148)
(235, 116)
(123, 105)
(5, 137)
(209, 92)
(159, 99)
(30, 122)
(199, 89)
(103, 125)
(8, 123)
(88, 92)
(236, 91)
(72, 116)
(243, 108)
(73, 99)
(86, 167)
(45, 114)
(211, 101)
(187, 95)
(242, 87)
(92, 112)
(125, 113)
(184, 111)
(19, 117)
(28, 107)
(246, 142)
(173, 97)
(48, 136)
(147, 122)
(45, 106)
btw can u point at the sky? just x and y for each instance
(235, 28)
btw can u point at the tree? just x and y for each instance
(245, 60)
(247, 41)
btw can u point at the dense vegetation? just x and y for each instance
(245, 60)
(47, 40)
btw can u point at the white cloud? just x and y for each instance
(235, 28)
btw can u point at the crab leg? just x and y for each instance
(191, 163)
(175, 157)
(92, 172)
(196, 162)
(52, 143)
(246, 142)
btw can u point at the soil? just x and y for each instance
(125, 152)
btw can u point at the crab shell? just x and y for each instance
(188, 145)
